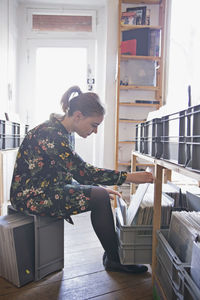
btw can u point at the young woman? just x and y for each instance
(46, 167)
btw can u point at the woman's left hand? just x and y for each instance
(111, 192)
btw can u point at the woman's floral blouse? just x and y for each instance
(45, 166)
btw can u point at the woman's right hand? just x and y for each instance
(140, 177)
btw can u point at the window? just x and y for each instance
(61, 22)
(184, 59)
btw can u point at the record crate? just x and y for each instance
(140, 138)
(192, 115)
(173, 138)
(48, 244)
(135, 242)
(152, 137)
(7, 140)
(188, 288)
(168, 267)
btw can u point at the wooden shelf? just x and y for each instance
(139, 87)
(138, 104)
(126, 57)
(141, 1)
(124, 164)
(130, 121)
(170, 166)
(130, 27)
(145, 165)
(160, 165)
(126, 142)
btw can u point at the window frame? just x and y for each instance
(68, 34)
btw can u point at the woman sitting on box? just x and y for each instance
(46, 165)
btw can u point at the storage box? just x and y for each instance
(188, 288)
(173, 139)
(140, 137)
(135, 254)
(131, 235)
(193, 138)
(169, 288)
(48, 244)
(135, 243)
(17, 249)
(169, 259)
(153, 130)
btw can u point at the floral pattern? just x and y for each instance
(45, 169)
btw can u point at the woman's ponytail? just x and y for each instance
(65, 100)
(88, 103)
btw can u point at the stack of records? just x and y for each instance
(17, 249)
(183, 232)
(170, 196)
(145, 212)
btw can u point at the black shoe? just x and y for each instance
(115, 266)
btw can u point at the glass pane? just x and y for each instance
(57, 69)
(62, 23)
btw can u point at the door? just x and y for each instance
(51, 67)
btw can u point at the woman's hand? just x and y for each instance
(111, 192)
(140, 177)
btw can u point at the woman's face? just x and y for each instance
(85, 126)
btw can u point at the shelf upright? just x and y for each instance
(128, 93)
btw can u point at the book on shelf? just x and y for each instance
(128, 18)
(147, 101)
(140, 17)
(147, 40)
(154, 42)
(128, 47)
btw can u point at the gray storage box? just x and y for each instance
(168, 286)
(135, 243)
(188, 288)
(48, 244)
(129, 235)
(153, 130)
(135, 254)
(140, 138)
(173, 139)
(168, 257)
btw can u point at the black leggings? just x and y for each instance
(103, 222)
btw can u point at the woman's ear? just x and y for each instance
(77, 115)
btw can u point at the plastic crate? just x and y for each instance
(153, 130)
(173, 139)
(140, 138)
(135, 243)
(49, 244)
(135, 254)
(136, 138)
(169, 258)
(188, 288)
(17, 249)
(133, 235)
(170, 290)
(193, 138)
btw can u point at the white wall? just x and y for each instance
(8, 42)
(107, 33)
(110, 82)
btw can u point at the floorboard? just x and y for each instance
(83, 276)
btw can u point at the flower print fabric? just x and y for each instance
(45, 168)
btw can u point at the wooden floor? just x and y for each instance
(83, 276)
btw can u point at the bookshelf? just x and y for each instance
(139, 71)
